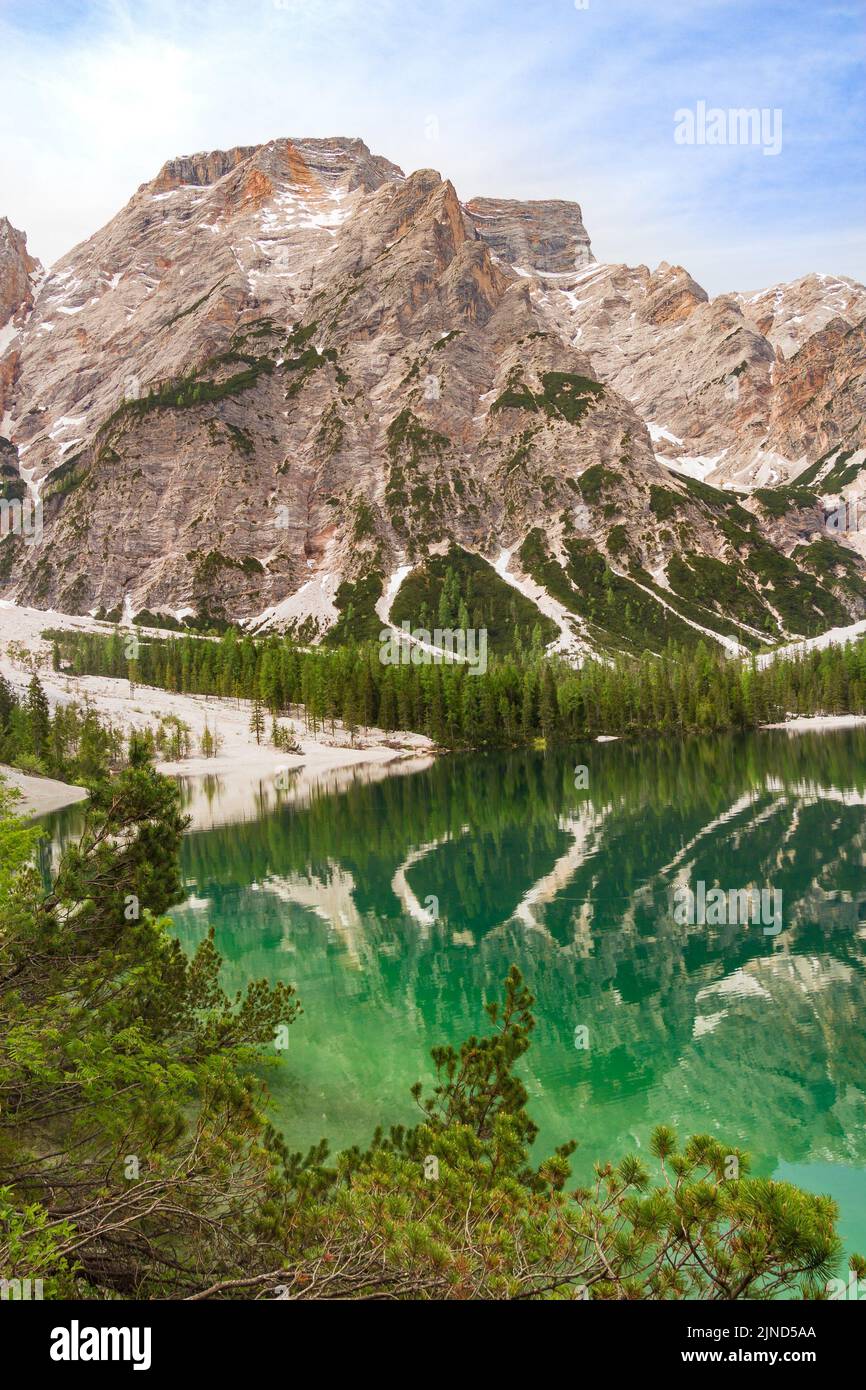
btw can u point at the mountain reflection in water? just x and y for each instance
(396, 904)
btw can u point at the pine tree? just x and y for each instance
(351, 710)
(208, 743)
(547, 706)
(257, 721)
(270, 681)
(437, 727)
(8, 703)
(39, 716)
(388, 705)
(527, 706)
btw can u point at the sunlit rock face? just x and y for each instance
(543, 237)
(18, 273)
(19, 278)
(287, 370)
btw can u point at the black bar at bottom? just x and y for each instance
(86, 1339)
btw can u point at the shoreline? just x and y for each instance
(818, 723)
(241, 767)
(242, 772)
(39, 796)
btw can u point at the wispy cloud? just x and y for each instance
(539, 99)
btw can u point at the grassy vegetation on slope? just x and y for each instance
(462, 590)
(624, 617)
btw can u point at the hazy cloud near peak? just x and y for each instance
(542, 99)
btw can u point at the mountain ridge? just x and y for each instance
(283, 373)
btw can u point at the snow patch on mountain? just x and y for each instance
(314, 599)
(390, 591)
(698, 466)
(570, 642)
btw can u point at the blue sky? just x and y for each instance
(534, 100)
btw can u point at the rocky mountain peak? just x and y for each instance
(284, 375)
(787, 315)
(671, 295)
(546, 237)
(18, 270)
(20, 274)
(319, 165)
(197, 170)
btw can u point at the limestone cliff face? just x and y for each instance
(288, 368)
(19, 276)
(788, 315)
(544, 236)
(17, 272)
(819, 395)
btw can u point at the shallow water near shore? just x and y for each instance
(396, 905)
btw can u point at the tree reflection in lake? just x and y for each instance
(396, 906)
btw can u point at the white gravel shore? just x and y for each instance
(818, 723)
(39, 795)
(240, 760)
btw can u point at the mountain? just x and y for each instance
(18, 275)
(19, 278)
(289, 385)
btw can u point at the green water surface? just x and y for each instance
(396, 906)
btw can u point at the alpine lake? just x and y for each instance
(396, 898)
